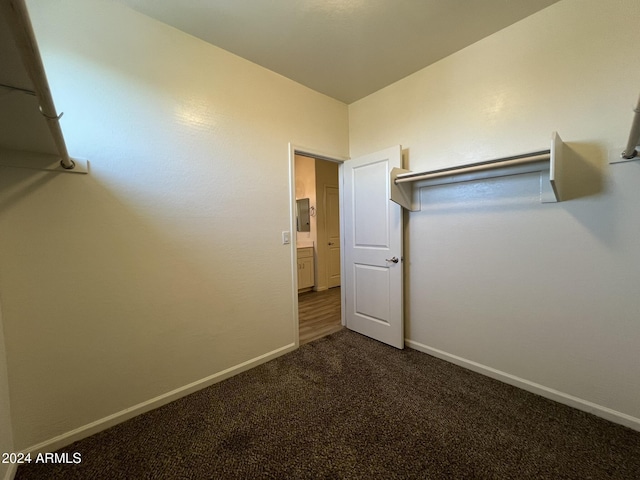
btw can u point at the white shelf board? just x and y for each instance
(39, 161)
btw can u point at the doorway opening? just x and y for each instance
(318, 246)
(319, 314)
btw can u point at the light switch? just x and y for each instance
(286, 238)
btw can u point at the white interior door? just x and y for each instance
(373, 248)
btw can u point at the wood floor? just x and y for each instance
(319, 314)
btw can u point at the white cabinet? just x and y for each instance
(305, 269)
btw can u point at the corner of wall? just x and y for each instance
(7, 471)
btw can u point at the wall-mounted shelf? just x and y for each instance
(39, 161)
(406, 185)
(29, 121)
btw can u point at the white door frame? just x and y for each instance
(339, 159)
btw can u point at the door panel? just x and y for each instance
(370, 210)
(373, 239)
(368, 279)
(332, 207)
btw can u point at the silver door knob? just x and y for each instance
(392, 259)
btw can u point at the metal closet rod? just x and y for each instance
(18, 19)
(18, 89)
(540, 156)
(634, 135)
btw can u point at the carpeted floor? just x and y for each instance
(348, 407)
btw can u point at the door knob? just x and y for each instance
(330, 243)
(392, 259)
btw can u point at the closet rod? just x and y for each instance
(18, 19)
(17, 89)
(634, 135)
(541, 156)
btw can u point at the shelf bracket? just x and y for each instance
(40, 161)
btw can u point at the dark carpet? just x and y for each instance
(348, 407)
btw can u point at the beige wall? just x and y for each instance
(306, 188)
(165, 265)
(544, 294)
(6, 428)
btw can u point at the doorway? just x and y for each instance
(371, 246)
(319, 314)
(318, 246)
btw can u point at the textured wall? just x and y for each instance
(6, 429)
(165, 264)
(306, 188)
(546, 293)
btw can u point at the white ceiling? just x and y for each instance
(346, 49)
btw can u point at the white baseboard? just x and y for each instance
(92, 428)
(550, 393)
(11, 471)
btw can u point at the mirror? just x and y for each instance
(302, 215)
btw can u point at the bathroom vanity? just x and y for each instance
(306, 275)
